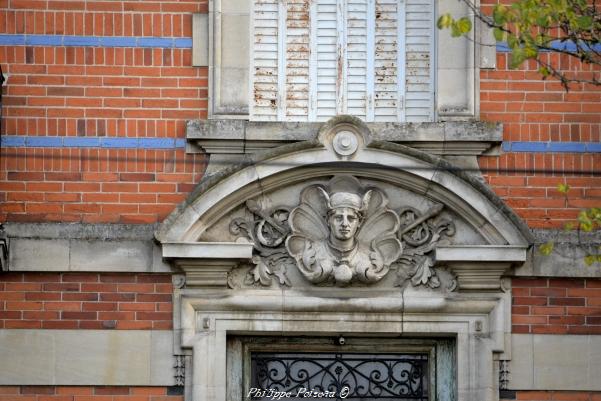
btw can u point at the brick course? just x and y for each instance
(556, 306)
(556, 396)
(95, 185)
(85, 301)
(89, 393)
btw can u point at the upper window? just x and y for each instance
(309, 60)
(312, 60)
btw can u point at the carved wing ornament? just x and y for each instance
(341, 233)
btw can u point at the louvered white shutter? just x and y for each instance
(420, 63)
(314, 59)
(264, 65)
(324, 34)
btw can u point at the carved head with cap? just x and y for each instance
(344, 217)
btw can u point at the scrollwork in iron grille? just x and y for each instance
(365, 376)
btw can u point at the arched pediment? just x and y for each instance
(409, 184)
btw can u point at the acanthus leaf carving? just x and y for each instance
(267, 229)
(421, 233)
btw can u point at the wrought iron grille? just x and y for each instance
(350, 376)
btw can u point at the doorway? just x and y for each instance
(340, 368)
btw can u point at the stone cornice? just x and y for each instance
(455, 138)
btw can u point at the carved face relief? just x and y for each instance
(344, 223)
(342, 233)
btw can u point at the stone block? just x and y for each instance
(234, 38)
(158, 263)
(232, 89)
(111, 357)
(594, 361)
(455, 91)
(522, 364)
(561, 362)
(161, 358)
(200, 40)
(235, 6)
(86, 357)
(39, 254)
(488, 47)
(27, 357)
(111, 255)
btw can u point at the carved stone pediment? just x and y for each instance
(342, 211)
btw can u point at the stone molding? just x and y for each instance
(206, 264)
(476, 323)
(426, 173)
(46, 238)
(218, 137)
(479, 268)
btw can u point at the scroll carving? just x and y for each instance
(268, 230)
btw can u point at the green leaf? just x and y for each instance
(589, 259)
(562, 188)
(512, 41)
(530, 52)
(444, 21)
(568, 226)
(498, 34)
(546, 248)
(585, 222)
(518, 56)
(584, 22)
(595, 214)
(499, 14)
(455, 31)
(464, 24)
(544, 71)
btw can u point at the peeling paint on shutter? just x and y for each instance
(387, 31)
(265, 61)
(314, 59)
(357, 55)
(325, 47)
(297, 60)
(419, 65)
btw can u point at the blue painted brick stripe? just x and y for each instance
(18, 141)
(94, 41)
(556, 45)
(13, 141)
(552, 147)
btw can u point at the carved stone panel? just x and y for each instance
(343, 232)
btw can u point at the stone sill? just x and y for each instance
(453, 138)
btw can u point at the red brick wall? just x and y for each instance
(94, 185)
(556, 396)
(76, 393)
(556, 306)
(98, 92)
(150, 92)
(85, 301)
(536, 110)
(533, 110)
